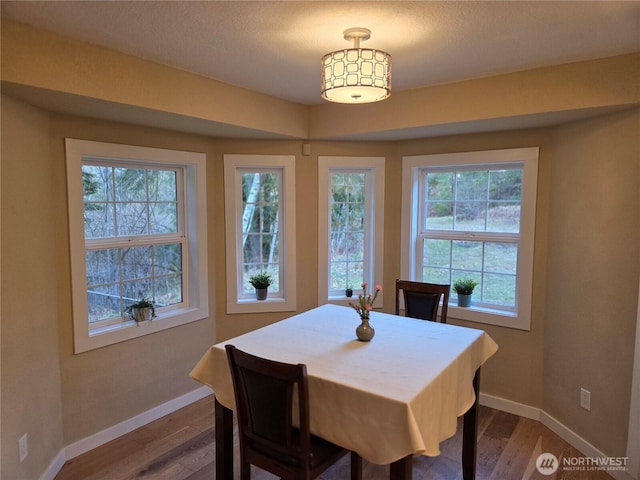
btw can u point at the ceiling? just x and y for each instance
(274, 47)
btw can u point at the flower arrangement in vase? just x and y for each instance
(364, 331)
(365, 302)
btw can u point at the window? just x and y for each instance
(260, 229)
(137, 229)
(472, 215)
(351, 224)
(260, 223)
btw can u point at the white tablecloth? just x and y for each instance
(397, 395)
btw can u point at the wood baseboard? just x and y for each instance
(510, 406)
(115, 431)
(111, 433)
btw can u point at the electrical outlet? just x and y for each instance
(23, 447)
(585, 399)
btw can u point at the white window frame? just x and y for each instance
(528, 157)
(234, 166)
(196, 299)
(374, 168)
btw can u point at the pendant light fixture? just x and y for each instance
(356, 75)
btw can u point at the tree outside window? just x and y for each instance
(471, 229)
(134, 243)
(348, 231)
(260, 228)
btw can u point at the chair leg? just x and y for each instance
(245, 470)
(356, 466)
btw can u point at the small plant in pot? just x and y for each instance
(142, 311)
(348, 291)
(261, 281)
(464, 288)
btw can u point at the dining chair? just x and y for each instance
(272, 436)
(421, 300)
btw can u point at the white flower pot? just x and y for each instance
(141, 315)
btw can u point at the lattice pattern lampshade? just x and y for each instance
(356, 75)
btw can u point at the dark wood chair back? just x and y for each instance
(272, 404)
(421, 300)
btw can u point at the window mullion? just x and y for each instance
(472, 236)
(114, 204)
(367, 228)
(486, 202)
(455, 199)
(281, 236)
(121, 280)
(147, 200)
(123, 242)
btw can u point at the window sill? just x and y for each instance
(489, 316)
(109, 335)
(345, 301)
(342, 299)
(248, 305)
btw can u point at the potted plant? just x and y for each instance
(348, 291)
(464, 288)
(261, 282)
(142, 311)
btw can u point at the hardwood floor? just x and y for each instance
(181, 446)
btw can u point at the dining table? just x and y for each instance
(387, 399)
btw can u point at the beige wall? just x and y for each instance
(31, 372)
(594, 266)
